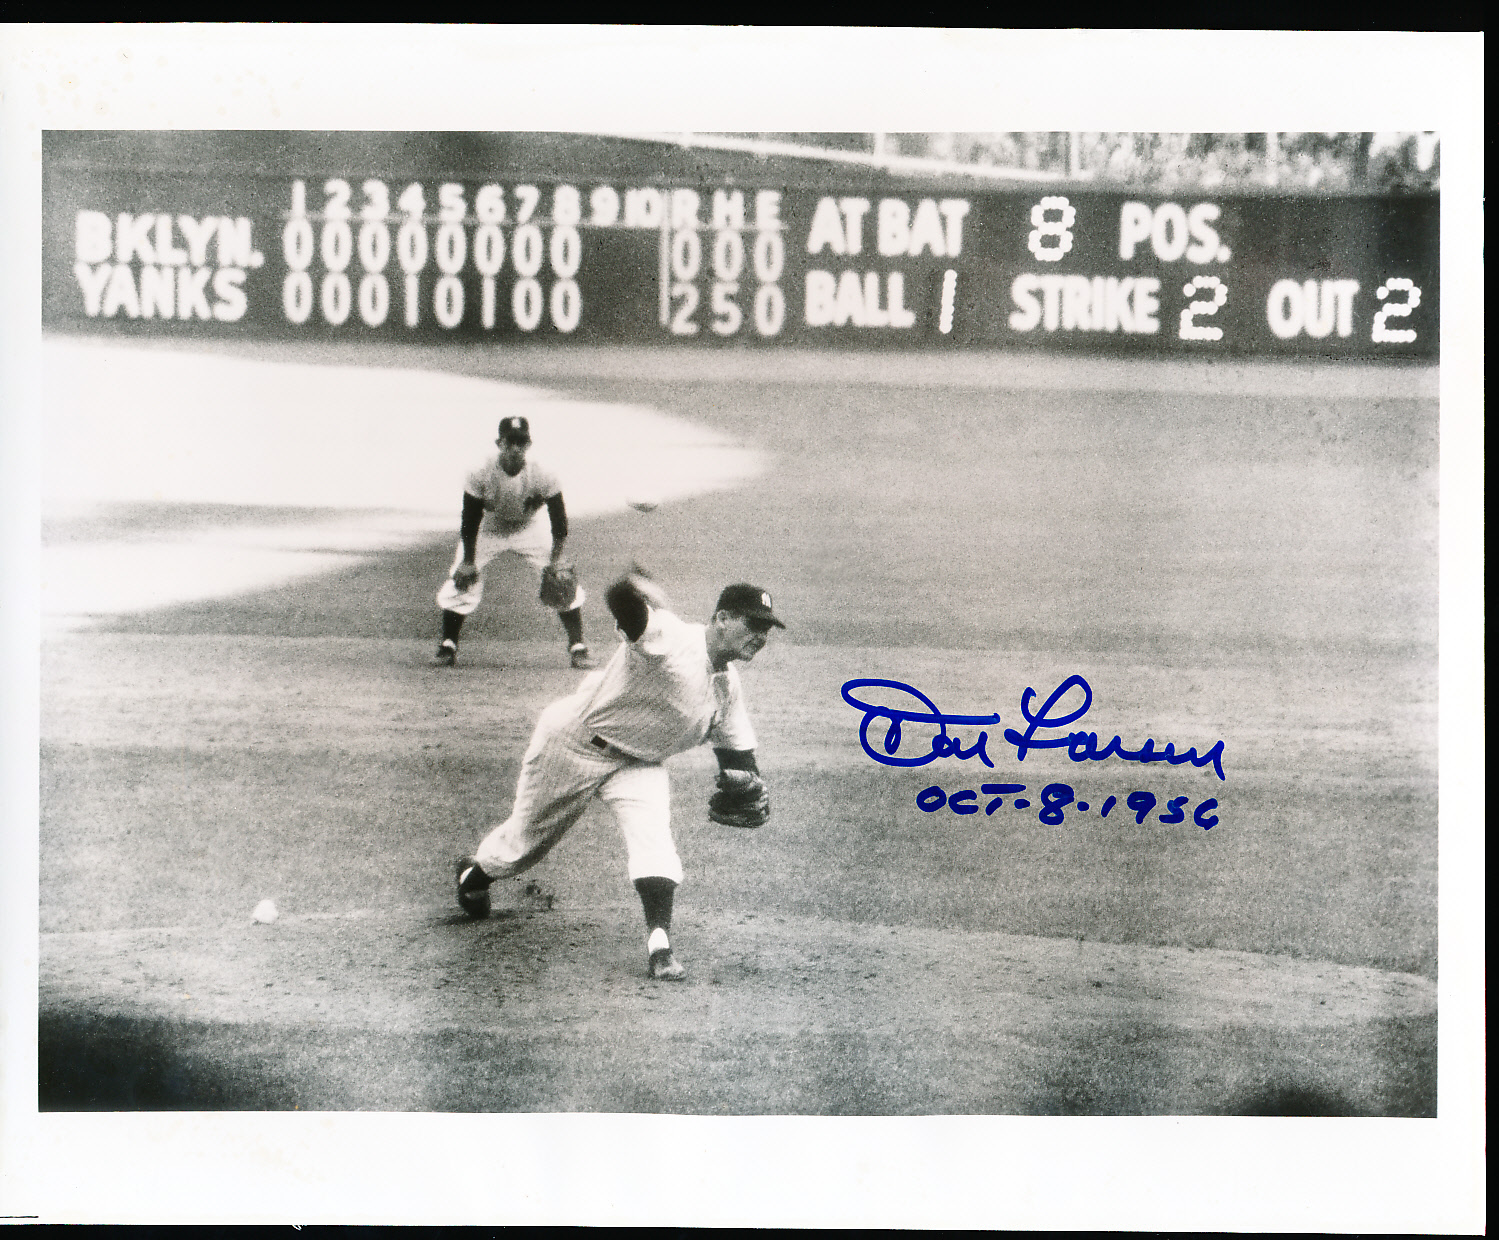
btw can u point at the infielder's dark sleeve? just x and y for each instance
(628, 607)
(473, 514)
(736, 760)
(557, 511)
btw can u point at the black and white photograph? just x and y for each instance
(575, 635)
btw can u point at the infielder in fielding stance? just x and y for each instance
(669, 687)
(502, 504)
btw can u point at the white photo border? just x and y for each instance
(1240, 1174)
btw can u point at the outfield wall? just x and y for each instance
(564, 238)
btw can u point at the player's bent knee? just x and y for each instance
(450, 598)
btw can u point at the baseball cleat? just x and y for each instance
(447, 654)
(579, 655)
(664, 967)
(473, 887)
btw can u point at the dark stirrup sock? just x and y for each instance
(656, 898)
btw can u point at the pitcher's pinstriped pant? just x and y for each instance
(559, 775)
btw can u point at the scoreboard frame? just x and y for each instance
(374, 242)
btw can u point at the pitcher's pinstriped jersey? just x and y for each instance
(659, 695)
(510, 503)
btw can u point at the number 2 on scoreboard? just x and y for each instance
(681, 321)
(1190, 328)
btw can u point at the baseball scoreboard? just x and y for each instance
(514, 253)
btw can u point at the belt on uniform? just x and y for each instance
(598, 742)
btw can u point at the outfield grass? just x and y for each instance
(1187, 529)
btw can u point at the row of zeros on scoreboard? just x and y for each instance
(345, 225)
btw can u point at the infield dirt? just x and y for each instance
(1258, 568)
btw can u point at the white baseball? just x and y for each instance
(265, 912)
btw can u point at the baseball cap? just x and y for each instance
(748, 601)
(515, 430)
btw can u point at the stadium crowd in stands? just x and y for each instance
(1279, 162)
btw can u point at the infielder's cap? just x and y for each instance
(748, 601)
(515, 430)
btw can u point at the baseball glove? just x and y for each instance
(464, 577)
(559, 586)
(740, 800)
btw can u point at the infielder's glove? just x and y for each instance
(464, 577)
(559, 586)
(741, 800)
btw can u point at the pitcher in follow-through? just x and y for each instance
(669, 687)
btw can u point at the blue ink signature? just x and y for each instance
(942, 745)
(1080, 746)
